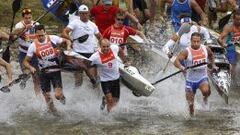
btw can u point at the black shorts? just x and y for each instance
(46, 79)
(140, 4)
(87, 55)
(112, 87)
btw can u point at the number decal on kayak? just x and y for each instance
(129, 71)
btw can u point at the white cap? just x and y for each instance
(107, 2)
(83, 8)
(186, 19)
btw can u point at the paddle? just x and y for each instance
(127, 43)
(169, 59)
(15, 7)
(222, 22)
(194, 66)
(6, 54)
(24, 76)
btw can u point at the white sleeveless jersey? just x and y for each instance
(29, 36)
(196, 57)
(108, 65)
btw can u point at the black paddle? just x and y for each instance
(222, 22)
(21, 77)
(179, 72)
(6, 54)
(15, 7)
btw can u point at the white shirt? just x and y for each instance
(25, 43)
(79, 29)
(185, 39)
(54, 39)
(110, 70)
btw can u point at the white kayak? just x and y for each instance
(132, 78)
(129, 75)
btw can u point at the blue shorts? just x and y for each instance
(33, 62)
(232, 56)
(193, 86)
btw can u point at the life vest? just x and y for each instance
(117, 35)
(232, 39)
(28, 36)
(196, 57)
(106, 57)
(47, 55)
(236, 35)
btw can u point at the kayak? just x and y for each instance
(221, 79)
(129, 74)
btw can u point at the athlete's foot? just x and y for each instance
(51, 108)
(63, 100)
(102, 106)
(95, 83)
(22, 84)
(79, 81)
(191, 110)
(205, 104)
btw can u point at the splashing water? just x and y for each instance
(163, 112)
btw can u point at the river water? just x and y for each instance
(164, 112)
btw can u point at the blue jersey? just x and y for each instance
(178, 9)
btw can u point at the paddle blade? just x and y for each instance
(222, 22)
(16, 5)
(6, 55)
(5, 89)
(61, 9)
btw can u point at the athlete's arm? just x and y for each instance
(4, 36)
(121, 54)
(26, 63)
(68, 43)
(133, 19)
(205, 32)
(8, 68)
(20, 29)
(197, 8)
(99, 36)
(223, 35)
(162, 4)
(139, 33)
(170, 43)
(210, 55)
(27, 59)
(65, 33)
(182, 56)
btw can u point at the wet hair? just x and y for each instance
(236, 13)
(196, 34)
(39, 27)
(26, 11)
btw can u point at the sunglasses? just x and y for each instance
(83, 13)
(27, 10)
(40, 35)
(120, 19)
